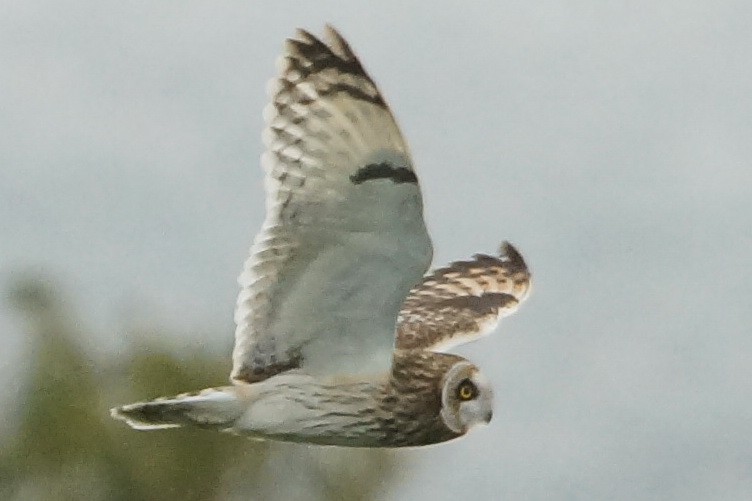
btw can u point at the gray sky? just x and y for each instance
(610, 141)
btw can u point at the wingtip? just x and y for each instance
(511, 255)
(338, 44)
(510, 252)
(303, 35)
(331, 41)
(330, 30)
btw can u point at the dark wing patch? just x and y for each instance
(384, 171)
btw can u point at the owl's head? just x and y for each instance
(466, 398)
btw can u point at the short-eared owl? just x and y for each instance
(340, 335)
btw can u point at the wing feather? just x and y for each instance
(463, 301)
(344, 238)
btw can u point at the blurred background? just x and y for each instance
(610, 141)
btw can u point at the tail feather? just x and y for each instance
(213, 408)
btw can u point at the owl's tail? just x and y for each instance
(214, 408)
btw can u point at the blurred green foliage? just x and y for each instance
(66, 446)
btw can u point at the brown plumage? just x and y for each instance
(330, 287)
(463, 301)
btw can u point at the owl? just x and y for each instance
(342, 334)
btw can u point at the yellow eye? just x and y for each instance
(467, 390)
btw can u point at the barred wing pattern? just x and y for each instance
(344, 239)
(463, 301)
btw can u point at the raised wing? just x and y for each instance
(463, 301)
(344, 238)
